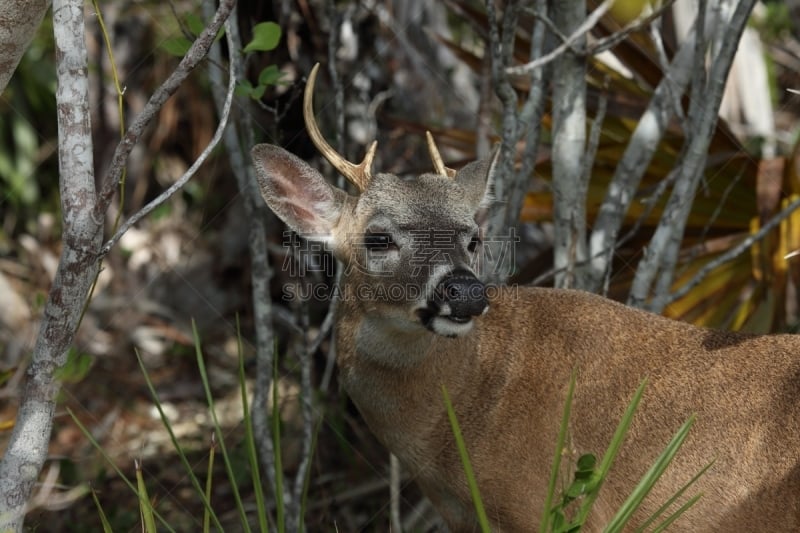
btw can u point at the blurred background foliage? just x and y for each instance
(402, 68)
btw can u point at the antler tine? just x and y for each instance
(438, 162)
(358, 175)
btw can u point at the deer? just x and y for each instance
(506, 357)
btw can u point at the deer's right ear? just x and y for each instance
(297, 193)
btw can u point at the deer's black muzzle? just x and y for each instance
(463, 294)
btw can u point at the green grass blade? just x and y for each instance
(218, 430)
(649, 479)
(462, 450)
(103, 518)
(307, 480)
(209, 479)
(610, 455)
(252, 458)
(176, 445)
(673, 499)
(145, 506)
(113, 465)
(554, 471)
(677, 514)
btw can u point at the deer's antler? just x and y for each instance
(436, 157)
(359, 175)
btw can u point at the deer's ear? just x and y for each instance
(477, 178)
(297, 193)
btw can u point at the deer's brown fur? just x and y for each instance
(506, 358)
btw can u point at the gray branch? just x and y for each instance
(734, 252)
(569, 143)
(517, 125)
(238, 139)
(27, 448)
(196, 53)
(577, 35)
(78, 266)
(180, 182)
(501, 46)
(662, 253)
(634, 162)
(529, 122)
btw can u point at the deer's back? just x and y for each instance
(744, 390)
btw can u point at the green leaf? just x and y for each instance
(195, 24)
(243, 88)
(266, 36)
(576, 490)
(586, 465)
(176, 46)
(270, 76)
(258, 92)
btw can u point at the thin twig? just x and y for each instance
(539, 13)
(594, 134)
(733, 252)
(579, 33)
(662, 252)
(635, 160)
(695, 250)
(617, 37)
(196, 53)
(502, 49)
(673, 91)
(295, 507)
(531, 113)
(650, 204)
(172, 189)
(238, 138)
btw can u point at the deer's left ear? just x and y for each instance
(477, 178)
(297, 193)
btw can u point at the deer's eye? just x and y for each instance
(473, 244)
(378, 240)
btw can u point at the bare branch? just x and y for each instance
(661, 255)
(734, 252)
(294, 505)
(27, 448)
(575, 37)
(569, 144)
(617, 37)
(594, 134)
(180, 182)
(509, 184)
(196, 53)
(238, 139)
(530, 116)
(78, 267)
(634, 162)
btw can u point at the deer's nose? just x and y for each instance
(463, 294)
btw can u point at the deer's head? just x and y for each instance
(410, 248)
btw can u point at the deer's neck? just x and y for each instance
(395, 378)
